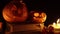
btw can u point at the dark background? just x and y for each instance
(51, 8)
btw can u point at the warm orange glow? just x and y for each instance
(36, 14)
(42, 17)
(13, 14)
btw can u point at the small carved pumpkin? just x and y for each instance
(39, 17)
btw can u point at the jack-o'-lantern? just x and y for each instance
(15, 11)
(39, 17)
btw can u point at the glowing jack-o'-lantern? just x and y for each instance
(39, 17)
(15, 11)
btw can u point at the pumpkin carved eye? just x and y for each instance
(36, 14)
(42, 15)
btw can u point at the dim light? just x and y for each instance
(36, 14)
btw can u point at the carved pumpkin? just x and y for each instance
(15, 11)
(39, 17)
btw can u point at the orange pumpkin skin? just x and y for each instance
(13, 14)
(1, 25)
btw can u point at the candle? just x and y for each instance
(56, 25)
